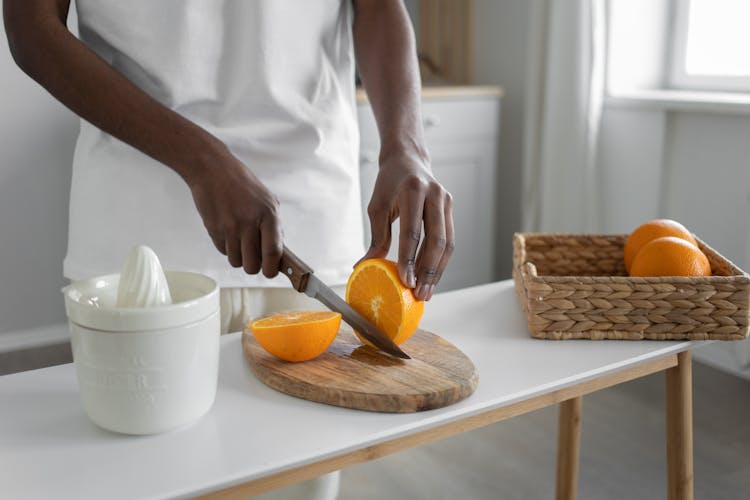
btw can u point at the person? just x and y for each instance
(231, 126)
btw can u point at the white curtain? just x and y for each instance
(566, 71)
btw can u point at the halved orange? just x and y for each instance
(296, 335)
(375, 291)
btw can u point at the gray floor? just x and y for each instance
(622, 447)
(622, 451)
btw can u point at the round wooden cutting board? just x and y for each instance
(353, 375)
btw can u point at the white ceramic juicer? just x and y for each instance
(145, 345)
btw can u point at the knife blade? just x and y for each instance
(304, 281)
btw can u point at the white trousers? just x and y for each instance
(238, 307)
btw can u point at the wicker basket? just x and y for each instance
(574, 286)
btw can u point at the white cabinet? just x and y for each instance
(461, 131)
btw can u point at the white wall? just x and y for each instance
(708, 179)
(630, 158)
(500, 54)
(37, 136)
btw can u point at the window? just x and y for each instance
(711, 45)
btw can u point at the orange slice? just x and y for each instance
(296, 335)
(376, 292)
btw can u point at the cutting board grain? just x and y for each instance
(352, 375)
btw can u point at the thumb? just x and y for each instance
(380, 237)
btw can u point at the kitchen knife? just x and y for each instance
(304, 281)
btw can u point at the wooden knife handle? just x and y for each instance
(295, 269)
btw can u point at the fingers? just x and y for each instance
(271, 245)
(438, 243)
(219, 243)
(234, 250)
(411, 206)
(421, 201)
(433, 245)
(256, 247)
(380, 231)
(241, 217)
(251, 252)
(449, 243)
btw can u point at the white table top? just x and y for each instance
(49, 448)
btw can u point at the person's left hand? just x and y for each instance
(406, 189)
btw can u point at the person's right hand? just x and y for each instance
(240, 214)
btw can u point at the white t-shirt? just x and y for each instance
(272, 79)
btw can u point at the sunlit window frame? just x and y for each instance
(678, 78)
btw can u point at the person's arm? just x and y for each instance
(405, 187)
(239, 213)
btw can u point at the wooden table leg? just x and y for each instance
(680, 429)
(568, 446)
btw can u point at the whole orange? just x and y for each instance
(298, 335)
(375, 291)
(670, 256)
(651, 230)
